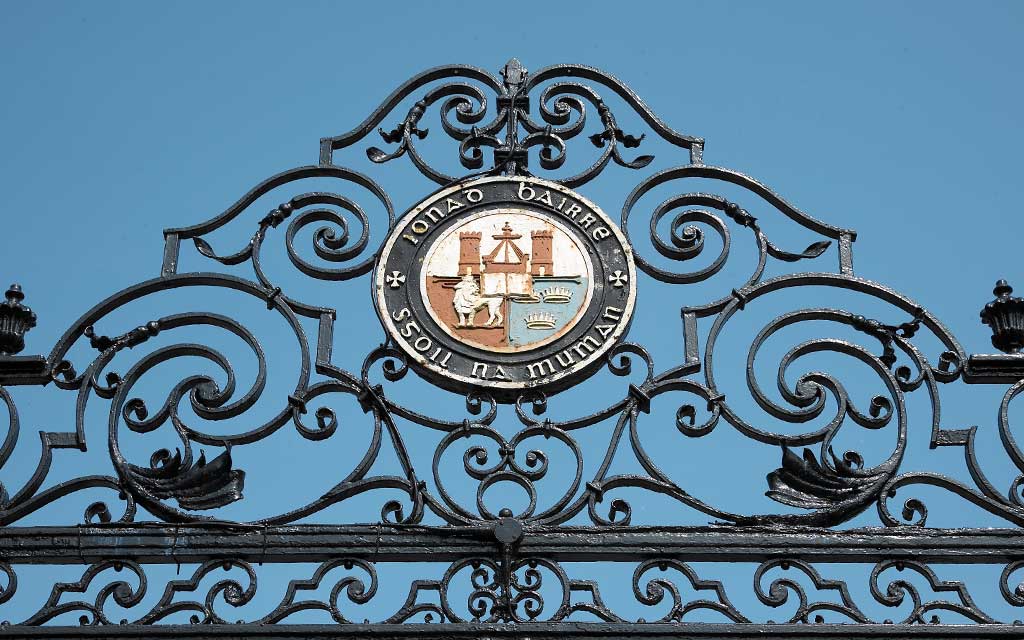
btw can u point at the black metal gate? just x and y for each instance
(506, 574)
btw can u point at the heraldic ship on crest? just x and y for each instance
(507, 298)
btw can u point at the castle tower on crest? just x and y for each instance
(469, 253)
(541, 264)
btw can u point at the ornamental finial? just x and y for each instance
(15, 321)
(1005, 316)
(514, 74)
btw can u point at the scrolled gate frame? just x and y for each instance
(506, 553)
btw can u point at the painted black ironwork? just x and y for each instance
(495, 573)
(1005, 315)
(15, 321)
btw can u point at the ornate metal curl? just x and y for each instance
(562, 112)
(490, 571)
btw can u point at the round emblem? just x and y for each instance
(505, 283)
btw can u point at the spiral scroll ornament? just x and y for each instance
(501, 418)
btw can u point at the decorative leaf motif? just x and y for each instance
(376, 155)
(816, 249)
(195, 486)
(204, 248)
(808, 484)
(812, 251)
(627, 140)
(391, 136)
(639, 163)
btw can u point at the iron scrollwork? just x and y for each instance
(472, 591)
(691, 235)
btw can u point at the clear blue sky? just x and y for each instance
(900, 120)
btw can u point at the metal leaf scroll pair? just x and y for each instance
(511, 130)
(503, 571)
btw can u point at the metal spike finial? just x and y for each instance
(1005, 316)
(15, 321)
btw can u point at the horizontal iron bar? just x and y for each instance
(31, 370)
(994, 368)
(388, 543)
(532, 630)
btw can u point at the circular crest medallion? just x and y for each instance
(505, 283)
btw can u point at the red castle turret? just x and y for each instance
(541, 264)
(469, 253)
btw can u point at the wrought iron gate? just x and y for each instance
(536, 573)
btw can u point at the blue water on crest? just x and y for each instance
(519, 333)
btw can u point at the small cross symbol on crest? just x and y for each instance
(394, 279)
(618, 279)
